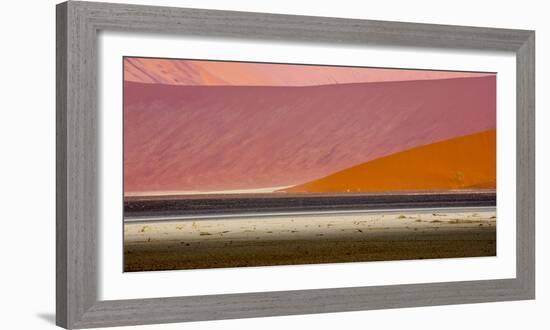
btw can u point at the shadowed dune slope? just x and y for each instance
(211, 138)
(459, 163)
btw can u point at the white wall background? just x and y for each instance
(27, 164)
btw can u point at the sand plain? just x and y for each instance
(287, 240)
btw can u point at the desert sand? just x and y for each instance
(215, 138)
(284, 240)
(465, 162)
(224, 73)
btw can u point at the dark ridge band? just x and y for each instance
(232, 204)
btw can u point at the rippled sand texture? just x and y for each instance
(307, 239)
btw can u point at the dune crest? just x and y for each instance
(223, 73)
(467, 162)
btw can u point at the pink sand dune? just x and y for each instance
(218, 73)
(183, 138)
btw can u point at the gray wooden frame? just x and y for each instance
(78, 24)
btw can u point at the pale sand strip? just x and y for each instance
(304, 227)
(212, 192)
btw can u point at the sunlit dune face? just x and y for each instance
(461, 163)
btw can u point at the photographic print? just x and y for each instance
(235, 164)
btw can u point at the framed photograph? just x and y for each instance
(217, 164)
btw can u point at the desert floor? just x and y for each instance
(285, 240)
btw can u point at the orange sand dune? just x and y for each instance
(460, 163)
